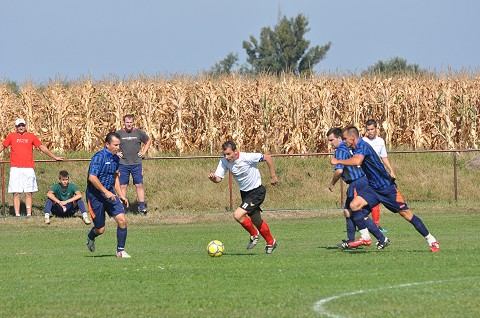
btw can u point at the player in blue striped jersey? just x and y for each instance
(379, 179)
(360, 197)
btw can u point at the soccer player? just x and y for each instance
(378, 144)
(379, 179)
(104, 195)
(22, 175)
(134, 145)
(243, 166)
(64, 199)
(359, 196)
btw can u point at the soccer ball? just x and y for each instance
(215, 248)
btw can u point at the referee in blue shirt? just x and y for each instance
(102, 188)
(381, 182)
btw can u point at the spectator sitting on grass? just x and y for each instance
(64, 199)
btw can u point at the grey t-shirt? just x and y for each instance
(131, 143)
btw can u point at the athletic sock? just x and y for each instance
(376, 214)
(248, 225)
(121, 238)
(350, 229)
(364, 234)
(419, 226)
(430, 239)
(373, 228)
(92, 234)
(359, 221)
(265, 232)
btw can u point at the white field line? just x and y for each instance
(319, 306)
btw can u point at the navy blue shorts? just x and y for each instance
(392, 199)
(98, 205)
(360, 187)
(127, 170)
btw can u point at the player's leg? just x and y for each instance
(240, 215)
(350, 225)
(262, 226)
(116, 210)
(47, 210)
(96, 210)
(28, 203)
(80, 205)
(124, 178)
(30, 186)
(137, 176)
(16, 203)
(376, 214)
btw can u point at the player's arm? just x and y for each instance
(52, 197)
(386, 163)
(214, 178)
(77, 196)
(356, 160)
(118, 189)
(217, 175)
(336, 176)
(46, 151)
(145, 148)
(271, 167)
(94, 181)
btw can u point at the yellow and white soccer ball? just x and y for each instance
(215, 248)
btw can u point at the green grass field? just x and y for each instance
(46, 271)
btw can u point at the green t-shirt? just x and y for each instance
(64, 193)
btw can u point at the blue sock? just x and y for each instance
(92, 234)
(141, 206)
(121, 238)
(373, 228)
(419, 226)
(359, 220)
(350, 229)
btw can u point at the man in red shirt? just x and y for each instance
(22, 176)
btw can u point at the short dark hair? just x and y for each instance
(63, 174)
(128, 116)
(337, 132)
(351, 130)
(229, 144)
(110, 135)
(371, 122)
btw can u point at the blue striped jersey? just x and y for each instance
(350, 173)
(104, 166)
(372, 165)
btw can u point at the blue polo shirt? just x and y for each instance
(350, 173)
(372, 165)
(104, 166)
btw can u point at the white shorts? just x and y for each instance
(22, 180)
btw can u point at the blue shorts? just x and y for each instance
(360, 187)
(127, 170)
(391, 198)
(98, 205)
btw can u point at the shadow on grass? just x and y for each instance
(240, 254)
(351, 251)
(101, 255)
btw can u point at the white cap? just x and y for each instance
(20, 121)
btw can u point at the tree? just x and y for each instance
(225, 66)
(394, 66)
(284, 48)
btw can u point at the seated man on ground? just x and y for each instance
(64, 199)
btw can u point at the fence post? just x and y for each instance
(3, 189)
(230, 190)
(455, 177)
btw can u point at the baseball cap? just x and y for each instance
(20, 121)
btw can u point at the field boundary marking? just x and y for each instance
(319, 306)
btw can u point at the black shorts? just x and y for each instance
(251, 200)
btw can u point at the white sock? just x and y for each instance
(430, 239)
(365, 234)
(47, 215)
(84, 214)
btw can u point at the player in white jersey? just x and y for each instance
(378, 144)
(243, 166)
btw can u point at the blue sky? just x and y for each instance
(48, 39)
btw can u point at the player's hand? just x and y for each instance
(120, 154)
(330, 187)
(334, 161)
(125, 201)
(274, 180)
(110, 196)
(59, 158)
(212, 177)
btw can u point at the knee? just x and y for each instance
(100, 231)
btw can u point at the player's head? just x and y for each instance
(20, 125)
(334, 136)
(350, 136)
(128, 122)
(230, 151)
(112, 142)
(371, 128)
(63, 177)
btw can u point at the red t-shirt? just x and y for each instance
(21, 152)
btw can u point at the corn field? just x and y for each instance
(265, 113)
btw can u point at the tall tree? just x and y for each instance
(225, 66)
(394, 66)
(284, 48)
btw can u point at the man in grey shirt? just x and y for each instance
(133, 147)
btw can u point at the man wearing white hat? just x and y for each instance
(22, 176)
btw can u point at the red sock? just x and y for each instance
(376, 214)
(248, 225)
(265, 231)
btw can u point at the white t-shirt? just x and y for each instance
(244, 170)
(378, 144)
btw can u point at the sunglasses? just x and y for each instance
(20, 125)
